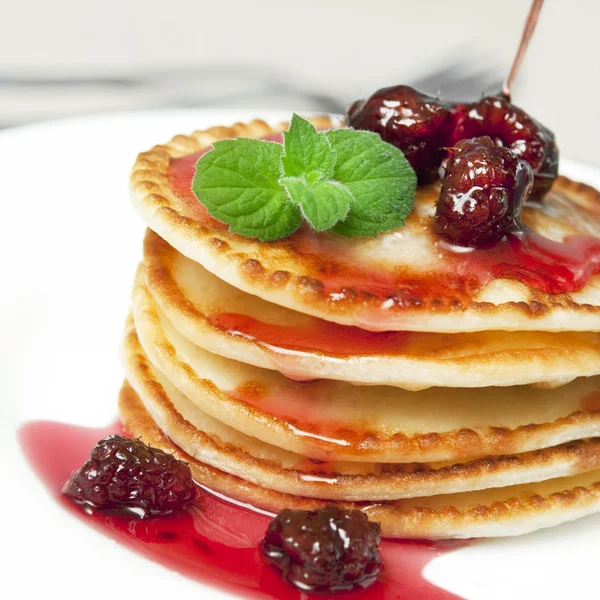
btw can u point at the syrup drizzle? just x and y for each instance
(543, 264)
(320, 336)
(302, 405)
(215, 541)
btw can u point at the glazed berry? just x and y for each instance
(324, 551)
(423, 127)
(419, 125)
(483, 190)
(511, 126)
(127, 475)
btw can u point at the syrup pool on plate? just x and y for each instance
(214, 541)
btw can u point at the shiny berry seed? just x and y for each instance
(324, 551)
(127, 475)
(482, 194)
(512, 127)
(419, 125)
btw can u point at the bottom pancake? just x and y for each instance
(508, 511)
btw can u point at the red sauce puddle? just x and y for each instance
(543, 264)
(215, 541)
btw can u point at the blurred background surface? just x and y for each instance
(63, 58)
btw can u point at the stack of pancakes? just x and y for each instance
(288, 375)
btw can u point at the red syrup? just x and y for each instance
(319, 336)
(180, 175)
(542, 264)
(215, 541)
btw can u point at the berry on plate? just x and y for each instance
(127, 475)
(324, 551)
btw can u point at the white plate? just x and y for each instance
(69, 243)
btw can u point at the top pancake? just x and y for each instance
(401, 280)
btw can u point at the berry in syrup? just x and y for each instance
(423, 127)
(324, 551)
(418, 124)
(126, 475)
(511, 127)
(482, 194)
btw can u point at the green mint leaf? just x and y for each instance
(380, 179)
(306, 150)
(323, 203)
(238, 182)
(347, 181)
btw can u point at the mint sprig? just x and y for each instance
(347, 181)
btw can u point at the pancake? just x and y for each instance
(401, 280)
(226, 449)
(226, 321)
(495, 512)
(330, 420)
